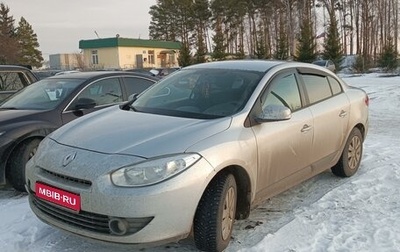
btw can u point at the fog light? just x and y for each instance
(118, 226)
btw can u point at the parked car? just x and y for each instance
(14, 78)
(42, 74)
(164, 71)
(143, 71)
(328, 64)
(32, 113)
(196, 151)
(67, 72)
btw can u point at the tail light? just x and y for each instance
(366, 100)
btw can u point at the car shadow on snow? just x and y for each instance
(266, 219)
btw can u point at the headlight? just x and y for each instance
(153, 171)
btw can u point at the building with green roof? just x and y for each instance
(125, 53)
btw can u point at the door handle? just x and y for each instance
(306, 128)
(342, 113)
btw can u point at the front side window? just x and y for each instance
(283, 91)
(317, 87)
(103, 92)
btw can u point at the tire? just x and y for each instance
(350, 159)
(215, 215)
(17, 161)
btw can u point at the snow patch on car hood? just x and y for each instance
(116, 131)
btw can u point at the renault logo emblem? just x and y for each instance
(68, 158)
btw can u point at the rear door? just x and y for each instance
(330, 109)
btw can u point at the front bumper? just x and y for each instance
(154, 214)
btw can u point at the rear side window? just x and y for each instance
(317, 87)
(135, 85)
(335, 85)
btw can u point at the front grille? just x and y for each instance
(67, 178)
(85, 220)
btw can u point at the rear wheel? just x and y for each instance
(351, 157)
(215, 214)
(17, 161)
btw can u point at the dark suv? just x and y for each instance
(14, 78)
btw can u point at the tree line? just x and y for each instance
(280, 29)
(265, 29)
(18, 44)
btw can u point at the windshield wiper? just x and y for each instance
(128, 105)
(10, 108)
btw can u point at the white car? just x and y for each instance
(196, 151)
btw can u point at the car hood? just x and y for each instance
(12, 114)
(116, 131)
(9, 117)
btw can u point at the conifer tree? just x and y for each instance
(8, 43)
(306, 48)
(27, 39)
(261, 51)
(201, 16)
(185, 57)
(282, 50)
(163, 21)
(388, 58)
(219, 46)
(332, 45)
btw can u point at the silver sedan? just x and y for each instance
(196, 151)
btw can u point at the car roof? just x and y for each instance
(93, 74)
(252, 65)
(13, 67)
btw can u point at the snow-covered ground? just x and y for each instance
(325, 213)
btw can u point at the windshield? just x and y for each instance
(42, 95)
(200, 93)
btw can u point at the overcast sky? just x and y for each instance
(60, 24)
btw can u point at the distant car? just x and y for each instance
(35, 111)
(161, 72)
(195, 151)
(42, 74)
(67, 72)
(14, 78)
(142, 71)
(328, 64)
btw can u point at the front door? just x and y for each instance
(284, 147)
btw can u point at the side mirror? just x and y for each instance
(274, 113)
(84, 103)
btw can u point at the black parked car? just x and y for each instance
(14, 78)
(29, 115)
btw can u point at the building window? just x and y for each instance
(95, 57)
(150, 57)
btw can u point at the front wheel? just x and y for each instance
(351, 157)
(215, 214)
(17, 161)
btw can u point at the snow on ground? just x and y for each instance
(325, 213)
